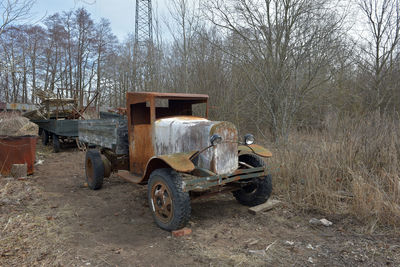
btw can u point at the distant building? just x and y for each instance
(16, 107)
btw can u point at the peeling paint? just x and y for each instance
(185, 134)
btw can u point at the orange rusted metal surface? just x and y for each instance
(143, 148)
(142, 114)
(139, 97)
(196, 183)
(180, 162)
(17, 150)
(256, 149)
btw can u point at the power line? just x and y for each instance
(143, 45)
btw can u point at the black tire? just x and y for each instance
(45, 137)
(176, 214)
(94, 169)
(56, 143)
(259, 189)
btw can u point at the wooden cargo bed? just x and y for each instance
(110, 131)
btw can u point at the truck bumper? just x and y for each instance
(204, 183)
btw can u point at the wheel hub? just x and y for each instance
(251, 188)
(162, 202)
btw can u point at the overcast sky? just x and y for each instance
(121, 13)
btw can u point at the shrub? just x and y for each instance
(349, 167)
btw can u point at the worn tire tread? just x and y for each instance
(56, 143)
(98, 169)
(45, 137)
(181, 201)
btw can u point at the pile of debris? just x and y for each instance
(52, 106)
(12, 124)
(56, 106)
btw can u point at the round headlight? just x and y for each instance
(248, 139)
(215, 139)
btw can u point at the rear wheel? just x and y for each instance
(259, 189)
(45, 137)
(170, 206)
(56, 143)
(94, 169)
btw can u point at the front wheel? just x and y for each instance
(170, 206)
(259, 189)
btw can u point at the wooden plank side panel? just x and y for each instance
(99, 132)
(110, 133)
(67, 128)
(44, 124)
(122, 146)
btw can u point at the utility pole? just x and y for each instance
(143, 54)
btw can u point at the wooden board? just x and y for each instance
(107, 133)
(270, 204)
(68, 128)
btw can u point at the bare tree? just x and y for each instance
(55, 46)
(185, 15)
(85, 32)
(69, 26)
(104, 43)
(378, 49)
(10, 13)
(36, 38)
(13, 11)
(284, 48)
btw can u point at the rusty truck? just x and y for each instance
(179, 156)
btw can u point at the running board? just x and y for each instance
(126, 175)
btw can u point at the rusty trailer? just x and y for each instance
(161, 142)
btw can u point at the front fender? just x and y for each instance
(180, 162)
(256, 149)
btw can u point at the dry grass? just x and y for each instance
(30, 235)
(350, 167)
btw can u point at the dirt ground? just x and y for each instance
(51, 218)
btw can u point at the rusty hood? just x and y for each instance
(182, 134)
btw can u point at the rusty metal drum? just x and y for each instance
(17, 150)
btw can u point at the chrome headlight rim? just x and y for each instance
(249, 139)
(215, 139)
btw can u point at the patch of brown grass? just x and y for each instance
(350, 167)
(29, 234)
